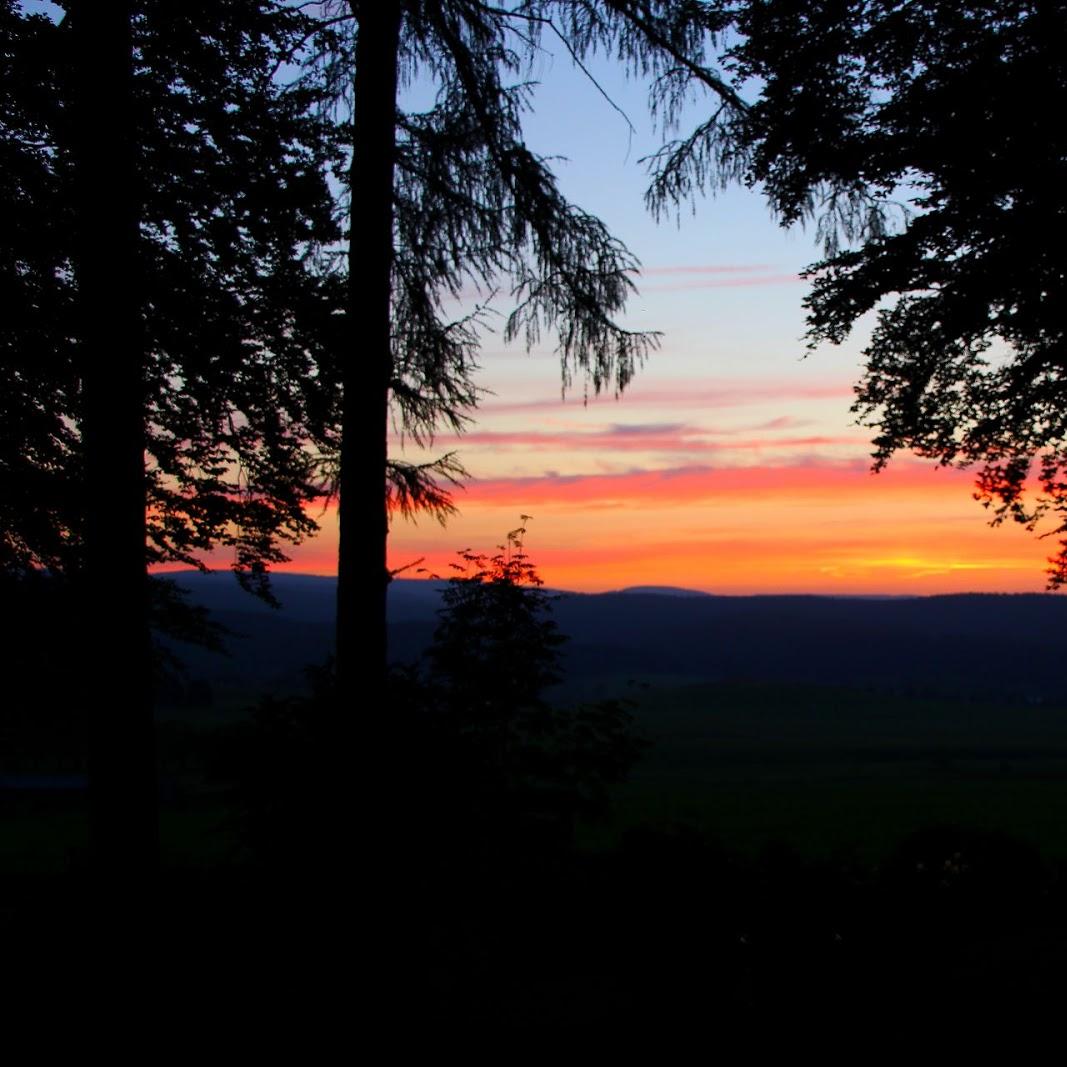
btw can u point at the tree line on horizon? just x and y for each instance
(229, 252)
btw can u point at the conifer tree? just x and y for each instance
(451, 197)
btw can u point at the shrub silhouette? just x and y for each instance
(496, 648)
(279, 767)
(484, 763)
(520, 769)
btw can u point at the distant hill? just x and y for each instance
(973, 646)
(303, 597)
(662, 590)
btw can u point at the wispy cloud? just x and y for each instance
(724, 283)
(713, 276)
(710, 268)
(690, 483)
(696, 394)
(672, 438)
(653, 429)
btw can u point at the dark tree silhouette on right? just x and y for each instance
(925, 140)
(954, 109)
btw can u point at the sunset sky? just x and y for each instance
(732, 464)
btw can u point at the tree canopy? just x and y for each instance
(496, 646)
(925, 138)
(239, 319)
(167, 360)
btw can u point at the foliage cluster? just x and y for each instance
(484, 760)
(925, 137)
(240, 324)
(495, 652)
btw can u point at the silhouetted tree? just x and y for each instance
(516, 762)
(496, 647)
(39, 471)
(166, 365)
(450, 197)
(109, 361)
(925, 139)
(238, 313)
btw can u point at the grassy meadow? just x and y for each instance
(841, 772)
(826, 772)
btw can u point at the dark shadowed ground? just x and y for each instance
(807, 826)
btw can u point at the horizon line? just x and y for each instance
(651, 588)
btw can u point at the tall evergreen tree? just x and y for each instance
(451, 197)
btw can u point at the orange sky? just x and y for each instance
(732, 463)
(806, 529)
(754, 483)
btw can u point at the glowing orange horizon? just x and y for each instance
(810, 527)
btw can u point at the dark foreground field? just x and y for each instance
(777, 848)
(834, 772)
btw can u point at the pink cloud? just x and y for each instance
(693, 483)
(783, 422)
(709, 268)
(473, 292)
(724, 283)
(702, 394)
(647, 438)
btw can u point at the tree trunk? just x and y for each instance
(114, 592)
(362, 577)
